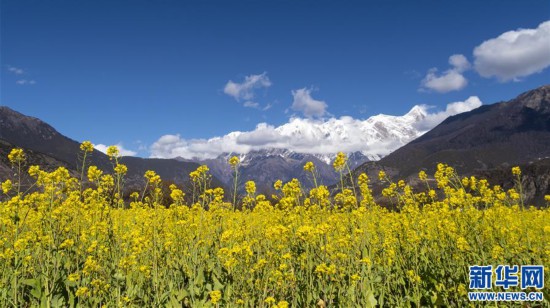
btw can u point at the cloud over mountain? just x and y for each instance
(432, 119)
(123, 151)
(304, 103)
(377, 135)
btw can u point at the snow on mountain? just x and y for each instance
(270, 153)
(374, 137)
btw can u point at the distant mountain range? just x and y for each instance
(383, 134)
(486, 141)
(46, 147)
(267, 166)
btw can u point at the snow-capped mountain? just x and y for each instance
(381, 133)
(374, 137)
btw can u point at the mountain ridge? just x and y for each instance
(44, 143)
(486, 141)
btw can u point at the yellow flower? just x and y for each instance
(66, 244)
(152, 177)
(309, 166)
(363, 179)
(340, 161)
(7, 186)
(250, 187)
(366, 261)
(113, 152)
(516, 171)
(215, 296)
(462, 244)
(296, 232)
(121, 169)
(16, 156)
(34, 171)
(177, 195)
(82, 292)
(462, 290)
(283, 304)
(94, 174)
(497, 252)
(87, 147)
(422, 175)
(234, 161)
(73, 277)
(413, 276)
(381, 175)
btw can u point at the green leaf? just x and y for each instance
(199, 279)
(182, 294)
(36, 290)
(371, 300)
(217, 284)
(58, 301)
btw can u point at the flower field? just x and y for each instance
(75, 241)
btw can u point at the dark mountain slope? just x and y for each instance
(507, 133)
(47, 145)
(485, 142)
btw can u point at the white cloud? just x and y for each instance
(22, 82)
(304, 103)
(245, 90)
(433, 119)
(514, 54)
(264, 134)
(510, 56)
(19, 71)
(251, 104)
(123, 152)
(451, 80)
(15, 70)
(459, 62)
(377, 135)
(267, 107)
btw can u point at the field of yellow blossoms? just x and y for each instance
(74, 241)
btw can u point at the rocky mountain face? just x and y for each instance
(46, 147)
(267, 166)
(484, 141)
(33, 158)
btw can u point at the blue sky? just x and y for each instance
(132, 71)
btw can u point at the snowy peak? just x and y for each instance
(374, 137)
(417, 113)
(269, 153)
